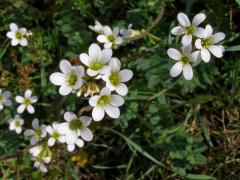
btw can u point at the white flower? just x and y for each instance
(126, 32)
(75, 127)
(16, 123)
(98, 27)
(40, 163)
(184, 61)
(26, 102)
(4, 99)
(70, 79)
(105, 102)
(189, 29)
(96, 60)
(54, 134)
(208, 44)
(115, 77)
(36, 133)
(17, 35)
(36, 150)
(110, 37)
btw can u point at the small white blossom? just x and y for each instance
(36, 133)
(96, 60)
(184, 61)
(16, 123)
(209, 44)
(126, 32)
(4, 99)
(74, 128)
(110, 37)
(98, 27)
(189, 29)
(26, 102)
(70, 79)
(115, 77)
(54, 134)
(105, 102)
(17, 35)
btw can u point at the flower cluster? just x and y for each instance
(206, 43)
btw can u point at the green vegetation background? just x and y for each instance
(169, 128)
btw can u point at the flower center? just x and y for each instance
(37, 132)
(206, 42)
(96, 65)
(114, 78)
(190, 30)
(75, 124)
(111, 38)
(18, 35)
(72, 78)
(185, 59)
(17, 123)
(26, 101)
(104, 99)
(55, 135)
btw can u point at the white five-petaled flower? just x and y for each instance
(16, 123)
(184, 61)
(4, 99)
(209, 44)
(54, 134)
(36, 133)
(17, 35)
(96, 60)
(40, 163)
(110, 37)
(70, 79)
(115, 77)
(26, 102)
(105, 102)
(189, 29)
(126, 32)
(98, 27)
(74, 128)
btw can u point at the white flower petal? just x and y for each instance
(93, 100)
(125, 75)
(216, 50)
(94, 51)
(106, 55)
(216, 38)
(86, 120)
(198, 44)
(186, 40)
(47, 160)
(98, 113)
(187, 71)
(122, 89)
(7, 102)
(35, 124)
(176, 69)
(28, 93)
(108, 45)
(23, 42)
(104, 70)
(183, 19)
(71, 137)
(62, 139)
(195, 56)
(101, 38)
(174, 54)
(30, 109)
(199, 32)
(15, 42)
(51, 141)
(13, 27)
(107, 30)
(105, 91)
(6, 94)
(42, 168)
(23, 31)
(70, 147)
(112, 111)
(86, 134)
(21, 108)
(205, 55)
(18, 130)
(84, 58)
(118, 40)
(11, 34)
(58, 78)
(68, 116)
(187, 49)
(116, 31)
(115, 64)
(208, 31)
(91, 72)
(33, 140)
(28, 132)
(178, 30)
(49, 129)
(63, 128)
(65, 90)
(80, 143)
(65, 66)
(117, 100)
(33, 99)
(198, 19)
(19, 99)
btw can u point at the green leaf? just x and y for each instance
(237, 47)
(238, 1)
(198, 176)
